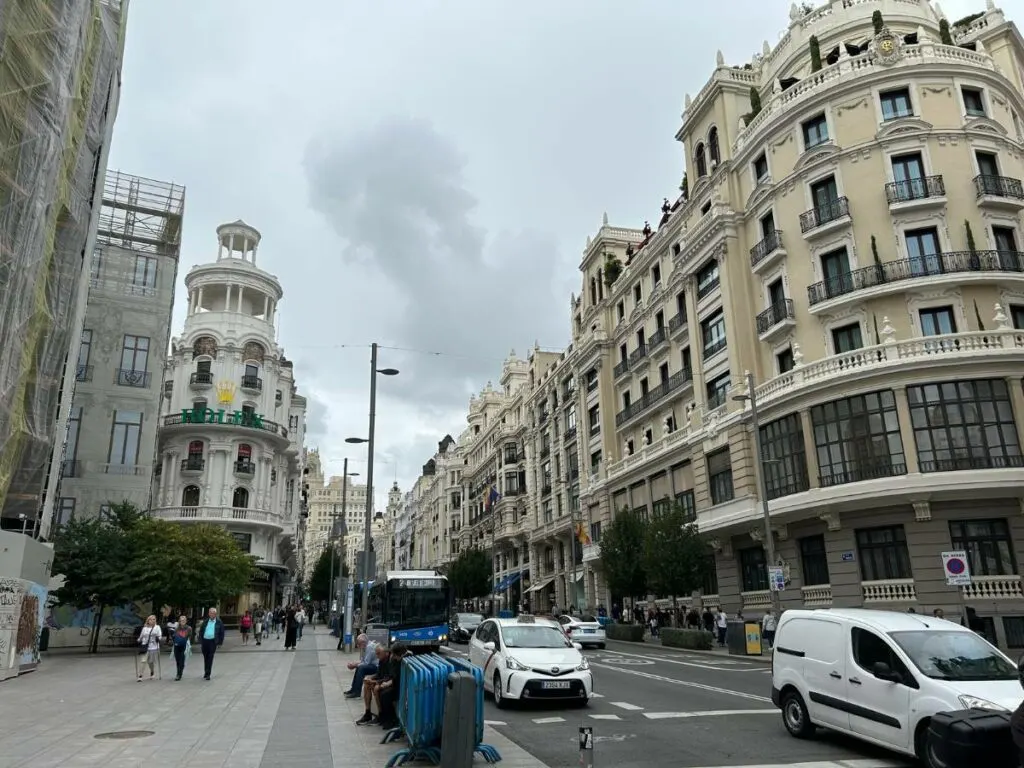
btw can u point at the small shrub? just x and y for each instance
(631, 633)
(755, 102)
(944, 34)
(971, 245)
(877, 21)
(690, 639)
(815, 47)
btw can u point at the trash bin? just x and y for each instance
(743, 638)
(44, 640)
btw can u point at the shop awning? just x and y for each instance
(540, 585)
(511, 579)
(500, 585)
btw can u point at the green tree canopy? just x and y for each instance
(320, 580)
(622, 554)
(675, 554)
(470, 574)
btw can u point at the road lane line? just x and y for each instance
(685, 683)
(686, 663)
(546, 720)
(836, 764)
(625, 705)
(605, 717)
(709, 713)
(494, 723)
(597, 695)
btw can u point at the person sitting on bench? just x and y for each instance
(387, 692)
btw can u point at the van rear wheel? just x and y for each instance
(795, 716)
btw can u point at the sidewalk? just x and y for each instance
(764, 658)
(264, 708)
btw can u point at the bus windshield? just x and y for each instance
(410, 606)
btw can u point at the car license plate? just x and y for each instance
(556, 685)
(588, 631)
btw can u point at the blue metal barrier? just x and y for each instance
(420, 709)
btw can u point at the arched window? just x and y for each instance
(713, 151)
(240, 499)
(244, 451)
(195, 448)
(702, 163)
(190, 496)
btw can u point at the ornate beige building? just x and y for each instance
(849, 234)
(324, 504)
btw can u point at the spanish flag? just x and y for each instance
(582, 536)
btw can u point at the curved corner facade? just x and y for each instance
(232, 424)
(850, 235)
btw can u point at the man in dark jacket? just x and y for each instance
(211, 637)
(389, 690)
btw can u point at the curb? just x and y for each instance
(763, 659)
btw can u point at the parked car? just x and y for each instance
(586, 630)
(463, 625)
(880, 676)
(530, 658)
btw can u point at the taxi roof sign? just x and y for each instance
(526, 618)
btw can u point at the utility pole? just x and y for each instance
(368, 522)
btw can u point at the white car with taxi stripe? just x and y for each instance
(528, 659)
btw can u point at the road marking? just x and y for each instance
(837, 764)
(638, 662)
(605, 717)
(709, 713)
(685, 683)
(625, 705)
(546, 720)
(597, 695)
(652, 659)
(494, 723)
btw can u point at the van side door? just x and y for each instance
(816, 647)
(879, 709)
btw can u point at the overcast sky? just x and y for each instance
(424, 172)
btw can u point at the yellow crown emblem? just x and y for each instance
(225, 392)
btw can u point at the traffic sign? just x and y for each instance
(954, 565)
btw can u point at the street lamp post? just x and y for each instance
(762, 489)
(345, 475)
(368, 522)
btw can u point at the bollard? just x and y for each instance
(458, 736)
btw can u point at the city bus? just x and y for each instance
(411, 607)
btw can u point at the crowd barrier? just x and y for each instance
(421, 705)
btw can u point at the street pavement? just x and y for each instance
(264, 708)
(660, 706)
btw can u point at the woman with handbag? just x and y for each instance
(149, 653)
(246, 626)
(182, 645)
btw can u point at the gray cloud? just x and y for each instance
(316, 417)
(396, 196)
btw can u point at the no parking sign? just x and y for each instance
(958, 572)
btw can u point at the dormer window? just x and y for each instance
(700, 160)
(713, 151)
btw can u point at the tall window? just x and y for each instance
(964, 425)
(896, 104)
(701, 160)
(936, 321)
(719, 466)
(988, 546)
(753, 569)
(847, 338)
(686, 500)
(190, 496)
(124, 438)
(65, 510)
(858, 438)
(144, 279)
(712, 333)
(134, 361)
(708, 278)
(814, 560)
(924, 251)
(713, 150)
(815, 131)
(84, 353)
(74, 429)
(835, 269)
(883, 553)
(783, 457)
(717, 390)
(240, 498)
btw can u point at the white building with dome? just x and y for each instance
(232, 425)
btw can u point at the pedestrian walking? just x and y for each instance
(245, 625)
(211, 637)
(721, 625)
(300, 618)
(768, 624)
(181, 645)
(291, 629)
(258, 623)
(149, 653)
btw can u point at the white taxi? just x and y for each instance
(585, 630)
(527, 658)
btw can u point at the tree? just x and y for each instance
(945, 36)
(92, 555)
(877, 22)
(622, 551)
(675, 553)
(187, 566)
(470, 574)
(815, 47)
(320, 580)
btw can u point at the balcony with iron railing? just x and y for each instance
(915, 193)
(570, 434)
(825, 217)
(999, 191)
(201, 380)
(657, 338)
(83, 373)
(70, 468)
(621, 368)
(715, 346)
(705, 289)
(637, 355)
(253, 384)
(246, 421)
(779, 317)
(896, 276)
(125, 377)
(677, 322)
(675, 382)
(767, 252)
(193, 465)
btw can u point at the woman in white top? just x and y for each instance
(149, 639)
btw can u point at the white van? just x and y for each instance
(881, 675)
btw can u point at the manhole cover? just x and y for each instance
(124, 735)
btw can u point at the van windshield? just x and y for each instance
(954, 656)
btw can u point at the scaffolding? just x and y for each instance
(141, 215)
(58, 60)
